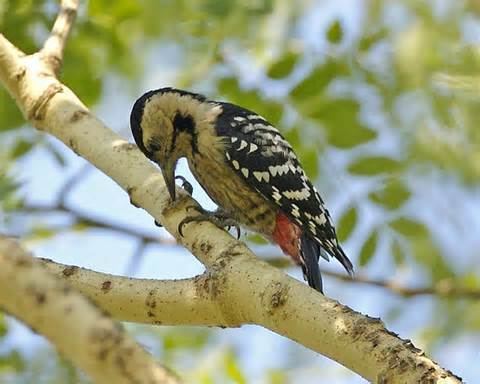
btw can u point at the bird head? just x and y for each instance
(164, 126)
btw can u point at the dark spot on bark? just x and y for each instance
(24, 262)
(129, 147)
(195, 244)
(20, 73)
(73, 146)
(40, 297)
(150, 314)
(131, 191)
(41, 103)
(279, 296)
(205, 247)
(359, 328)
(107, 340)
(231, 251)
(151, 301)
(69, 271)
(125, 146)
(157, 322)
(66, 289)
(78, 115)
(222, 263)
(106, 286)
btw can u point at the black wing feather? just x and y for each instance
(274, 151)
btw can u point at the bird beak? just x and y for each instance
(168, 172)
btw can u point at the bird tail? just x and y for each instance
(311, 250)
(309, 254)
(335, 250)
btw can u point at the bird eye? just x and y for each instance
(153, 145)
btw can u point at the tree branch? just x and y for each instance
(245, 289)
(444, 288)
(54, 46)
(447, 288)
(82, 218)
(83, 333)
(168, 302)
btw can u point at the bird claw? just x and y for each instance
(157, 223)
(218, 218)
(186, 186)
(237, 228)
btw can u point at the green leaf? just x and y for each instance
(12, 361)
(397, 252)
(10, 115)
(347, 223)
(409, 227)
(368, 249)
(3, 326)
(369, 40)
(233, 370)
(335, 32)
(283, 67)
(340, 119)
(392, 196)
(42, 232)
(427, 253)
(309, 160)
(185, 338)
(256, 239)
(21, 148)
(316, 82)
(374, 165)
(424, 249)
(277, 376)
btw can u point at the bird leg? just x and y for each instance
(218, 217)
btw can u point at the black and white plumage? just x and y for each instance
(245, 165)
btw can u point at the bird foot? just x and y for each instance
(186, 186)
(220, 218)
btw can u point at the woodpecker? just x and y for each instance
(246, 167)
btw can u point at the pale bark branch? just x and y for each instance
(54, 46)
(11, 68)
(82, 333)
(245, 290)
(168, 302)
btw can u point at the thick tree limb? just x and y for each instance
(81, 332)
(172, 302)
(244, 289)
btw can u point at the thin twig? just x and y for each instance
(446, 288)
(72, 182)
(94, 221)
(136, 258)
(54, 46)
(443, 288)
